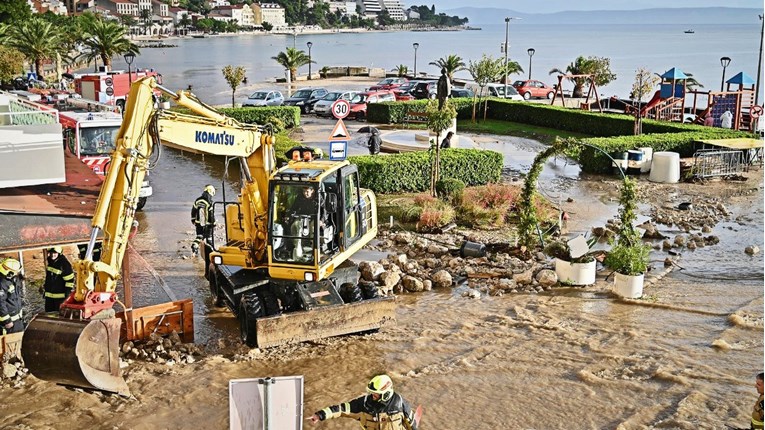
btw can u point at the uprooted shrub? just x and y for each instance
(449, 189)
(487, 206)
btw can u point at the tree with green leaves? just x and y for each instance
(451, 63)
(642, 86)
(14, 11)
(11, 63)
(37, 39)
(292, 59)
(234, 76)
(145, 16)
(105, 39)
(439, 120)
(487, 69)
(267, 26)
(599, 67)
(401, 70)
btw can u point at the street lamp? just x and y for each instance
(507, 47)
(309, 44)
(724, 62)
(531, 52)
(415, 45)
(759, 62)
(129, 57)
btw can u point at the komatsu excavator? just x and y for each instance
(284, 269)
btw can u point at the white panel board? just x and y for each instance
(247, 403)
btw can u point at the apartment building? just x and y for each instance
(271, 13)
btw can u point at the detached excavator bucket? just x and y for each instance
(72, 352)
(326, 321)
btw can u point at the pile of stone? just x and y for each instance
(162, 350)
(13, 374)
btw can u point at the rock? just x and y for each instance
(752, 250)
(427, 284)
(456, 262)
(9, 371)
(190, 359)
(541, 257)
(679, 240)
(523, 278)
(175, 338)
(599, 231)
(437, 250)
(412, 284)
(507, 284)
(167, 344)
(389, 279)
(666, 245)
(547, 278)
(403, 238)
(442, 279)
(706, 229)
(691, 245)
(127, 347)
(473, 294)
(400, 260)
(371, 270)
(668, 262)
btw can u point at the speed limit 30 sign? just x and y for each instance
(341, 108)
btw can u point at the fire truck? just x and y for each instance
(109, 87)
(90, 132)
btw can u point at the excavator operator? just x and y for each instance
(203, 217)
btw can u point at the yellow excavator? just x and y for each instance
(284, 271)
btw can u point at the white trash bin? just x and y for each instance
(665, 167)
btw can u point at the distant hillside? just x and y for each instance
(708, 15)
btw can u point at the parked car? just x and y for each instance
(305, 98)
(424, 89)
(324, 105)
(531, 88)
(264, 98)
(495, 90)
(388, 84)
(402, 96)
(359, 102)
(462, 92)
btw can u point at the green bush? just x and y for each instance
(288, 115)
(395, 112)
(448, 188)
(410, 172)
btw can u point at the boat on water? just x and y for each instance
(689, 31)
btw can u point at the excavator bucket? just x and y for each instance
(326, 321)
(73, 352)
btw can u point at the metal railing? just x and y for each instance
(708, 163)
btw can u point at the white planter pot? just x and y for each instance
(575, 273)
(628, 286)
(164, 105)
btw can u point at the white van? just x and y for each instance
(495, 90)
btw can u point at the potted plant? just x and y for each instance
(164, 101)
(629, 256)
(578, 270)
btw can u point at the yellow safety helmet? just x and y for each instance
(382, 385)
(56, 249)
(318, 153)
(10, 267)
(210, 189)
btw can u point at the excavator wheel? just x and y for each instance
(217, 299)
(141, 203)
(350, 293)
(250, 309)
(369, 290)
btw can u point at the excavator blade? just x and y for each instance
(326, 321)
(73, 352)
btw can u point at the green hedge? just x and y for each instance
(395, 112)
(410, 172)
(289, 115)
(593, 161)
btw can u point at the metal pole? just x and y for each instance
(724, 62)
(267, 382)
(415, 45)
(507, 36)
(309, 44)
(759, 63)
(531, 52)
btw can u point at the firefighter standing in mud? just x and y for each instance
(759, 405)
(379, 409)
(10, 297)
(203, 217)
(59, 279)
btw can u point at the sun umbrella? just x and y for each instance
(368, 129)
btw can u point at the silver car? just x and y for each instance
(324, 105)
(264, 98)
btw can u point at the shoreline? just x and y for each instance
(302, 31)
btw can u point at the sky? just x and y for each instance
(548, 6)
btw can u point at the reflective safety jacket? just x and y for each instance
(373, 415)
(757, 413)
(202, 213)
(10, 300)
(59, 278)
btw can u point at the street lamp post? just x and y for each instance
(507, 47)
(129, 57)
(759, 62)
(309, 44)
(724, 62)
(531, 52)
(415, 45)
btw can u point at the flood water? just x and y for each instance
(571, 359)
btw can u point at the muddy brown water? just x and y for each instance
(571, 359)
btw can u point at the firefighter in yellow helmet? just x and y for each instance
(59, 279)
(757, 411)
(10, 297)
(203, 217)
(380, 409)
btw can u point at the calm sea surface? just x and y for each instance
(657, 47)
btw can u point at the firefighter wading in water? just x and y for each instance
(59, 279)
(380, 409)
(203, 217)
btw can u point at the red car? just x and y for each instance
(531, 88)
(402, 96)
(388, 84)
(360, 100)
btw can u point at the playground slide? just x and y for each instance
(656, 99)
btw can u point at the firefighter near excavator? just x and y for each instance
(283, 287)
(203, 217)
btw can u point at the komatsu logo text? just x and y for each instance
(214, 138)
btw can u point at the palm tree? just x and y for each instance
(37, 39)
(292, 59)
(106, 39)
(578, 67)
(511, 68)
(401, 70)
(599, 68)
(452, 64)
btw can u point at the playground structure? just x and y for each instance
(593, 89)
(738, 101)
(668, 103)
